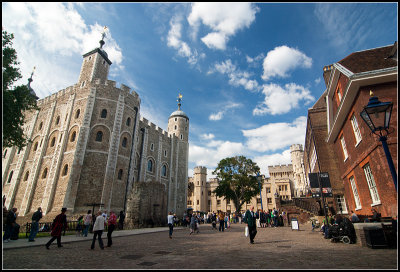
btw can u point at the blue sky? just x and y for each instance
(248, 72)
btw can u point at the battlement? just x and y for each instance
(280, 168)
(111, 83)
(200, 170)
(296, 147)
(55, 96)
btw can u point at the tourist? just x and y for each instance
(121, 220)
(250, 220)
(59, 223)
(10, 224)
(80, 226)
(98, 228)
(112, 224)
(193, 222)
(87, 222)
(170, 219)
(35, 224)
(354, 218)
(268, 215)
(221, 221)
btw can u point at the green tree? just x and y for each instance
(238, 181)
(16, 99)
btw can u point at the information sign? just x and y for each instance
(295, 224)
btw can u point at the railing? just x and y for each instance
(307, 205)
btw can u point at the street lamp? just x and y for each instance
(259, 185)
(377, 117)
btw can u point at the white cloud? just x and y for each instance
(317, 81)
(208, 136)
(280, 100)
(264, 161)
(218, 116)
(225, 19)
(275, 136)
(236, 77)
(283, 59)
(49, 36)
(210, 154)
(174, 40)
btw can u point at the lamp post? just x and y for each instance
(259, 185)
(377, 117)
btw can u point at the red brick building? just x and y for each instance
(362, 164)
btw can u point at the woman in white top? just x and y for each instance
(170, 224)
(98, 228)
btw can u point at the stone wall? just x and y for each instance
(146, 205)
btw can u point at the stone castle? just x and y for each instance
(91, 148)
(285, 182)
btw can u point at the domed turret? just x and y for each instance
(178, 123)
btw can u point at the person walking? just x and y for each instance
(112, 223)
(98, 228)
(170, 219)
(121, 220)
(250, 220)
(59, 223)
(35, 224)
(10, 224)
(192, 224)
(221, 221)
(87, 222)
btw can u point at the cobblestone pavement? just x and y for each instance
(274, 248)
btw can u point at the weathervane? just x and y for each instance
(179, 101)
(103, 35)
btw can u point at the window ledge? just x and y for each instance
(358, 143)
(376, 204)
(358, 209)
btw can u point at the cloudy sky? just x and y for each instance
(248, 72)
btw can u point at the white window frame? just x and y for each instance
(356, 129)
(344, 148)
(313, 158)
(373, 190)
(355, 193)
(340, 199)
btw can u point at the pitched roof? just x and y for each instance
(370, 60)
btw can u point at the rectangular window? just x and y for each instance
(341, 204)
(356, 129)
(313, 158)
(355, 193)
(371, 184)
(269, 200)
(346, 155)
(198, 202)
(218, 202)
(258, 200)
(268, 189)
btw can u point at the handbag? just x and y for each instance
(246, 231)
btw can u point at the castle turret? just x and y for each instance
(297, 154)
(95, 64)
(178, 123)
(200, 192)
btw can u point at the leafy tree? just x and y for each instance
(16, 99)
(238, 181)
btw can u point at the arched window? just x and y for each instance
(40, 125)
(5, 153)
(73, 136)
(128, 121)
(77, 113)
(10, 177)
(150, 166)
(124, 141)
(152, 147)
(104, 113)
(26, 176)
(120, 174)
(65, 170)
(53, 141)
(181, 137)
(35, 147)
(58, 120)
(99, 136)
(164, 171)
(44, 175)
